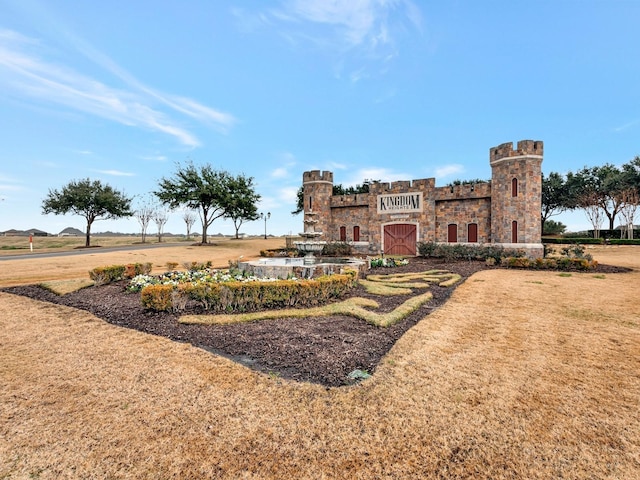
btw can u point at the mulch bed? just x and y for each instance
(321, 350)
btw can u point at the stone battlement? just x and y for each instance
(317, 176)
(465, 191)
(525, 147)
(355, 200)
(402, 186)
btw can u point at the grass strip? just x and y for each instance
(62, 287)
(383, 288)
(354, 307)
(443, 278)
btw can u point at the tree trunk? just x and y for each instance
(204, 232)
(87, 242)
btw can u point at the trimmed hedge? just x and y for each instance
(459, 251)
(571, 241)
(590, 241)
(551, 263)
(113, 273)
(107, 274)
(235, 296)
(623, 241)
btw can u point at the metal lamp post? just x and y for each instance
(266, 217)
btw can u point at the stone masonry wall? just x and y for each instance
(462, 213)
(490, 205)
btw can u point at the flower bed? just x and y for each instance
(233, 291)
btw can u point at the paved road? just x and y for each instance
(85, 251)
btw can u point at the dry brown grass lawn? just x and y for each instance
(25, 270)
(519, 375)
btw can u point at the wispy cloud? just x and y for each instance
(26, 74)
(367, 28)
(116, 173)
(280, 172)
(287, 161)
(10, 188)
(627, 125)
(289, 195)
(155, 158)
(448, 170)
(354, 22)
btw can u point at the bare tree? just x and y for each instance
(631, 201)
(190, 219)
(144, 214)
(590, 202)
(160, 217)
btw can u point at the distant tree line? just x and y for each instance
(604, 192)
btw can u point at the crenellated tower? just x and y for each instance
(516, 192)
(317, 189)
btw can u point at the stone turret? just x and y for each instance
(317, 189)
(516, 190)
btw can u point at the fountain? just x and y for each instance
(309, 266)
(310, 246)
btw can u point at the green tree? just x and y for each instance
(598, 187)
(90, 199)
(551, 227)
(241, 201)
(201, 188)
(555, 196)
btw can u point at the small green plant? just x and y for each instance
(197, 266)
(171, 266)
(387, 262)
(358, 375)
(565, 274)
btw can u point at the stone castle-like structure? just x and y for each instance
(393, 217)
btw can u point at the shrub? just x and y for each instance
(458, 251)
(133, 269)
(336, 249)
(238, 296)
(280, 252)
(561, 263)
(197, 266)
(157, 297)
(108, 274)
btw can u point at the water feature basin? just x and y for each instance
(287, 267)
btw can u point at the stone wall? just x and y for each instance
(491, 205)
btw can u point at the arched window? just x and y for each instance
(472, 233)
(343, 234)
(514, 187)
(452, 233)
(356, 233)
(514, 232)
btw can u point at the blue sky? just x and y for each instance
(122, 91)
